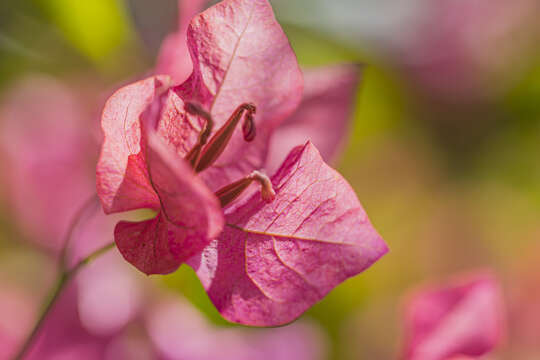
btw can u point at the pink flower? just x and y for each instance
(462, 49)
(174, 59)
(264, 256)
(167, 328)
(461, 318)
(47, 151)
(172, 320)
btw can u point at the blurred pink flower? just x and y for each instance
(461, 318)
(159, 153)
(322, 117)
(168, 328)
(48, 149)
(173, 319)
(468, 49)
(174, 59)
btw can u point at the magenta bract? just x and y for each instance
(322, 117)
(274, 261)
(181, 151)
(462, 318)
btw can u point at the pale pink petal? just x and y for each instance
(273, 261)
(241, 55)
(323, 116)
(173, 58)
(122, 176)
(463, 317)
(110, 294)
(180, 332)
(189, 218)
(176, 127)
(47, 156)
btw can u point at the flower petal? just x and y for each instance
(461, 318)
(241, 55)
(273, 261)
(173, 58)
(322, 117)
(122, 176)
(190, 217)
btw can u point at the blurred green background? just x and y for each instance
(452, 183)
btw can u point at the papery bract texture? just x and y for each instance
(190, 216)
(241, 55)
(122, 176)
(275, 260)
(323, 116)
(230, 68)
(462, 318)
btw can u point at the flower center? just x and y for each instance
(206, 152)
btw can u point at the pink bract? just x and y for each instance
(274, 261)
(323, 115)
(461, 318)
(174, 59)
(227, 72)
(313, 235)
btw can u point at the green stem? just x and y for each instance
(63, 279)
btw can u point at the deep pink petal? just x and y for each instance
(173, 58)
(241, 55)
(273, 261)
(176, 127)
(47, 156)
(122, 176)
(462, 318)
(190, 216)
(323, 116)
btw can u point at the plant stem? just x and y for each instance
(63, 279)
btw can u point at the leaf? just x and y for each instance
(323, 116)
(463, 317)
(273, 261)
(241, 55)
(190, 216)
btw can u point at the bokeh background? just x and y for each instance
(443, 152)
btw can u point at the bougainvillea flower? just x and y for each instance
(462, 318)
(47, 157)
(173, 319)
(263, 258)
(322, 117)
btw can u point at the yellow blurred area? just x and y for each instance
(96, 28)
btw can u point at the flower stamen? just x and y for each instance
(194, 109)
(229, 193)
(221, 138)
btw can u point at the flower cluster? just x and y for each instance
(178, 149)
